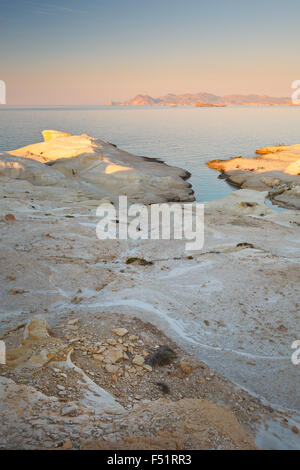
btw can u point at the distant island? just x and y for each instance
(203, 100)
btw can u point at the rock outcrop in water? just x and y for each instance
(95, 168)
(277, 170)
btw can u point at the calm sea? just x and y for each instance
(187, 137)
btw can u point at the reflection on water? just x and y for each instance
(187, 137)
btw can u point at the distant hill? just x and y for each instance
(202, 99)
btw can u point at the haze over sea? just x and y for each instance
(187, 137)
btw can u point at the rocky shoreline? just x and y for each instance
(189, 350)
(276, 170)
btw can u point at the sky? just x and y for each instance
(72, 52)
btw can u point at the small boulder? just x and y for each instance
(138, 361)
(114, 355)
(185, 367)
(67, 410)
(112, 369)
(120, 332)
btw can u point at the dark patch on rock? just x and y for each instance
(245, 245)
(163, 356)
(140, 261)
(164, 387)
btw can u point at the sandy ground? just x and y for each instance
(228, 314)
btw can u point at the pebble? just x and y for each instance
(67, 410)
(138, 360)
(120, 332)
(295, 430)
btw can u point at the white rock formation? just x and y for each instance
(277, 169)
(234, 304)
(96, 167)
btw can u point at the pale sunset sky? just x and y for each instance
(73, 52)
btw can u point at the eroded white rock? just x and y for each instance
(84, 159)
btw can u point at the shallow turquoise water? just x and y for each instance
(187, 137)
